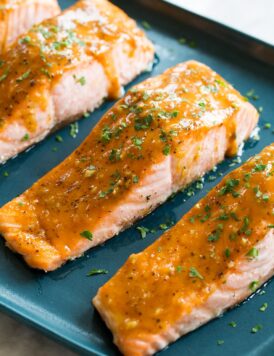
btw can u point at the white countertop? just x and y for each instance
(252, 16)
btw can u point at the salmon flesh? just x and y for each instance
(165, 133)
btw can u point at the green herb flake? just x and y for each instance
(259, 168)
(5, 174)
(229, 186)
(220, 342)
(137, 142)
(253, 253)
(179, 269)
(263, 307)
(87, 235)
(256, 328)
(146, 25)
(4, 75)
(194, 273)
(106, 134)
(25, 40)
(135, 179)
(227, 252)
(265, 197)
(74, 129)
(166, 150)
(82, 80)
(253, 286)
(25, 137)
(267, 125)
(115, 155)
(59, 138)
(182, 40)
(96, 271)
(143, 231)
(233, 324)
(23, 76)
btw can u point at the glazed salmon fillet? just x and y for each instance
(64, 67)
(18, 16)
(218, 254)
(164, 133)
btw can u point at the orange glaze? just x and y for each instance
(178, 272)
(17, 16)
(40, 57)
(140, 130)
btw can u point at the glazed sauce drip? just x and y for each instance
(144, 128)
(180, 270)
(89, 30)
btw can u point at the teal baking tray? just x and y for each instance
(59, 303)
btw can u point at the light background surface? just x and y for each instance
(255, 17)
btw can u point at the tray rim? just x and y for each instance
(201, 23)
(244, 42)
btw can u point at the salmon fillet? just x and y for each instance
(165, 133)
(219, 253)
(18, 16)
(65, 67)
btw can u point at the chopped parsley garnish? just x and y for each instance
(146, 25)
(215, 235)
(253, 252)
(253, 285)
(166, 150)
(194, 273)
(25, 40)
(229, 186)
(182, 40)
(263, 307)
(143, 123)
(115, 155)
(220, 342)
(271, 226)
(251, 94)
(244, 229)
(265, 197)
(81, 80)
(23, 76)
(256, 328)
(137, 142)
(259, 168)
(87, 235)
(74, 129)
(59, 138)
(96, 271)
(25, 137)
(4, 75)
(6, 174)
(179, 269)
(233, 324)
(227, 252)
(143, 231)
(267, 125)
(106, 134)
(135, 179)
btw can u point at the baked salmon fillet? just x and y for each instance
(18, 16)
(65, 67)
(165, 133)
(219, 253)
